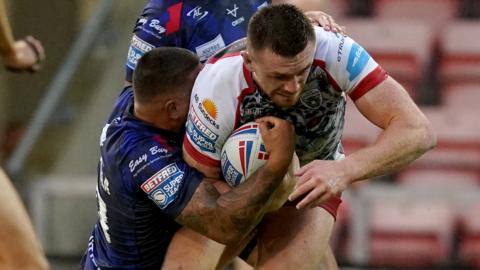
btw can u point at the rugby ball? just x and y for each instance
(242, 154)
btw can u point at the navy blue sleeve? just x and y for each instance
(158, 26)
(160, 172)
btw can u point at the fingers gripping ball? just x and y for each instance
(243, 153)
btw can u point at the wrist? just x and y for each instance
(348, 167)
(7, 52)
(275, 169)
(279, 163)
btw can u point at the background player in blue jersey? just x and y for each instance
(146, 192)
(203, 27)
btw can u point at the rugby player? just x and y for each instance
(19, 247)
(292, 70)
(205, 27)
(25, 54)
(146, 193)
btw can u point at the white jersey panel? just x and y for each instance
(213, 108)
(344, 59)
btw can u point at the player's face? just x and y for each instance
(281, 78)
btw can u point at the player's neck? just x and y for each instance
(155, 115)
(149, 114)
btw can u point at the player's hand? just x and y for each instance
(27, 55)
(319, 181)
(279, 138)
(324, 20)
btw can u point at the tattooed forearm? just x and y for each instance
(197, 223)
(230, 216)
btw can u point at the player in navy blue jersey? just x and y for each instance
(203, 27)
(146, 192)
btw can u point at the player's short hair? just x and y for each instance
(282, 28)
(163, 70)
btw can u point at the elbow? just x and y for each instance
(44, 265)
(428, 138)
(39, 263)
(229, 234)
(229, 238)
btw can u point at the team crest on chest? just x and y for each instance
(311, 98)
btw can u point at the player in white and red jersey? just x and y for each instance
(289, 69)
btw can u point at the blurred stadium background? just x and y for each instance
(426, 216)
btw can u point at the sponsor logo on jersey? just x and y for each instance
(238, 21)
(172, 186)
(197, 13)
(357, 61)
(262, 5)
(133, 164)
(138, 47)
(200, 134)
(155, 24)
(245, 152)
(233, 11)
(163, 190)
(142, 21)
(340, 48)
(210, 108)
(140, 44)
(159, 197)
(157, 150)
(231, 174)
(208, 111)
(168, 172)
(206, 50)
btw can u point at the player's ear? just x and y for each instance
(247, 60)
(172, 108)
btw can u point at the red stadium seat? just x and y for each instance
(337, 9)
(402, 48)
(460, 53)
(411, 233)
(462, 95)
(433, 11)
(470, 244)
(458, 139)
(438, 178)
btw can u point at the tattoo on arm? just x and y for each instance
(233, 214)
